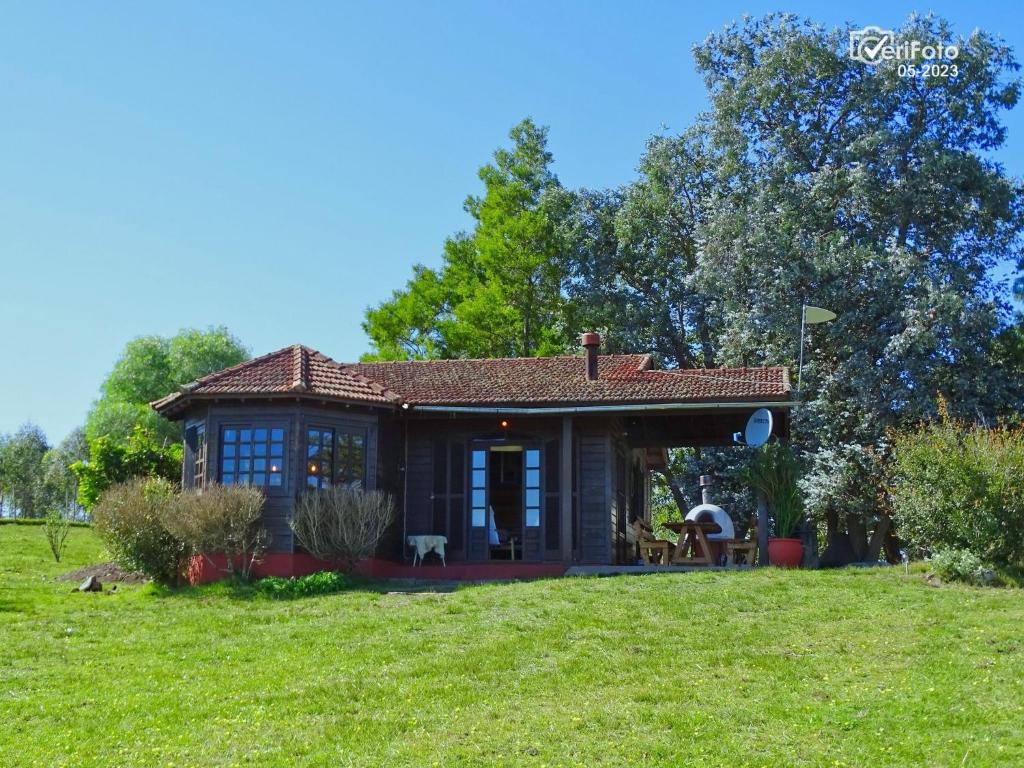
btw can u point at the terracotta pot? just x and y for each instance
(785, 553)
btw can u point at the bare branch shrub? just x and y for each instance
(342, 524)
(222, 519)
(57, 528)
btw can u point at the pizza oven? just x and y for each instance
(711, 513)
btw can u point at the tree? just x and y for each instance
(499, 290)
(871, 194)
(57, 528)
(111, 462)
(21, 471)
(60, 485)
(151, 367)
(632, 254)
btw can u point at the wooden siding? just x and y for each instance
(295, 419)
(595, 502)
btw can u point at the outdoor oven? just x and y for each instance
(706, 512)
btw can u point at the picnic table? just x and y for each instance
(693, 547)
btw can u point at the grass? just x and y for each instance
(764, 668)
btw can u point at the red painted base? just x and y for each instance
(202, 571)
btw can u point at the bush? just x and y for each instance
(129, 519)
(322, 583)
(57, 528)
(774, 472)
(111, 462)
(39, 521)
(221, 519)
(342, 524)
(961, 565)
(959, 487)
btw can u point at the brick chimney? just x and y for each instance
(591, 344)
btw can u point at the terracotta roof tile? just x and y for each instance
(558, 380)
(301, 371)
(293, 370)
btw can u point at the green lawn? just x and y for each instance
(857, 668)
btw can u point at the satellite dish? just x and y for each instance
(759, 427)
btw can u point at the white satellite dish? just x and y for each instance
(759, 428)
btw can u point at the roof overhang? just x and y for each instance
(173, 408)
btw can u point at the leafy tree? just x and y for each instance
(874, 195)
(499, 290)
(60, 486)
(111, 462)
(151, 367)
(632, 254)
(21, 471)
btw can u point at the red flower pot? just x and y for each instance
(785, 553)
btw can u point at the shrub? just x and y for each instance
(220, 519)
(129, 519)
(956, 486)
(57, 528)
(961, 565)
(322, 583)
(342, 524)
(111, 462)
(774, 472)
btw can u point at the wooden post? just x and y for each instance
(565, 490)
(762, 529)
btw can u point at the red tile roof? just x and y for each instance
(562, 380)
(295, 371)
(298, 371)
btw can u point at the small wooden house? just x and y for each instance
(526, 465)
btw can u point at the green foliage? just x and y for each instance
(870, 194)
(37, 521)
(22, 487)
(775, 472)
(322, 583)
(633, 255)
(498, 292)
(956, 486)
(220, 519)
(130, 519)
(963, 566)
(112, 461)
(57, 528)
(151, 367)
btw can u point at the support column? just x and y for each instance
(565, 489)
(762, 529)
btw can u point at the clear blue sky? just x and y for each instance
(277, 167)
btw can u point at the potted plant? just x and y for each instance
(773, 473)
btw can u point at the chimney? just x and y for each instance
(591, 343)
(705, 489)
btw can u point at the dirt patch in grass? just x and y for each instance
(106, 572)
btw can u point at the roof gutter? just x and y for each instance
(637, 407)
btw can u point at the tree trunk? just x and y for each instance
(858, 533)
(677, 493)
(877, 538)
(838, 551)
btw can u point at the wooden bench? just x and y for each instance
(651, 548)
(745, 548)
